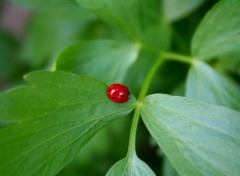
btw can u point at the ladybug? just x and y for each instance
(118, 93)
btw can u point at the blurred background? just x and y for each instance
(31, 38)
(13, 21)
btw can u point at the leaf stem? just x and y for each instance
(177, 57)
(143, 92)
(169, 55)
(132, 138)
(163, 56)
(149, 78)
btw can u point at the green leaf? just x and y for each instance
(48, 34)
(158, 35)
(175, 10)
(53, 118)
(125, 15)
(205, 84)
(101, 149)
(157, 32)
(134, 167)
(108, 60)
(198, 138)
(97, 29)
(219, 31)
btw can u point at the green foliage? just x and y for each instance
(125, 167)
(193, 134)
(218, 32)
(51, 122)
(205, 84)
(125, 15)
(95, 58)
(49, 34)
(46, 122)
(175, 10)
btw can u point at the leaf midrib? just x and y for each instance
(174, 137)
(196, 122)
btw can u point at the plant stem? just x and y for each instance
(149, 78)
(169, 55)
(143, 92)
(163, 56)
(132, 138)
(177, 57)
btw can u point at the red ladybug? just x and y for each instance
(118, 93)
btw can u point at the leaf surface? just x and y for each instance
(175, 9)
(205, 84)
(48, 34)
(219, 31)
(105, 59)
(198, 138)
(134, 167)
(125, 15)
(52, 118)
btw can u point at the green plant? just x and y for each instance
(46, 122)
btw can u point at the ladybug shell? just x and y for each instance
(118, 93)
